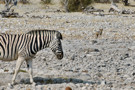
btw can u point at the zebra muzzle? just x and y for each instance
(59, 55)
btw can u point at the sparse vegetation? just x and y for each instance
(75, 5)
(46, 1)
(24, 1)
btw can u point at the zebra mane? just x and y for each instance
(58, 34)
(36, 31)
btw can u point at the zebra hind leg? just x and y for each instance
(18, 65)
(29, 67)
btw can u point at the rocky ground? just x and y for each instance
(106, 62)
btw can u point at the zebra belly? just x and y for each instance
(6, 56)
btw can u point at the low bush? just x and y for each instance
(75, 5)
(46, 1)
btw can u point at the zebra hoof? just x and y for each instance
(11, 86)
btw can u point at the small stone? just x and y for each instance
(133, 73)
(96, 50)
(28, 89)
(87, 84)
(73, 57)
(103, 82)
(68, 88)
(83, 88)
(94, 41)
(99, 75)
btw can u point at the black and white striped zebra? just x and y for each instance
(23, 47)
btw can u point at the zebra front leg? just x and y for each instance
(18, 65)
(29, 67)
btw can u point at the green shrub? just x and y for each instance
(75, 5)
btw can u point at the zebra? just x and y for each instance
(7, 2)
(23, 47)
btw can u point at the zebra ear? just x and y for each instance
(59, 35)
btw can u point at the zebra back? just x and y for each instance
(38, 32)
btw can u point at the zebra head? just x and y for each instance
(56, 45)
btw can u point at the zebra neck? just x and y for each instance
(46, 44)
(42, 39)
(43, 42)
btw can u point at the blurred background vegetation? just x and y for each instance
(69, 5)
(79, 5)
(20, 1)
(75, 5)
(46, 1)
(106, 1)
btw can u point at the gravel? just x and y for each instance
(103, 63)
